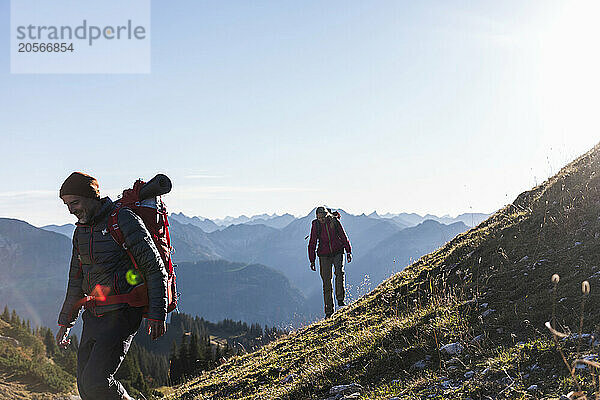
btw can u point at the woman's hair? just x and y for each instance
(323, 210)
(328, 212)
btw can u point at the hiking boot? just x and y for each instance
(341, 303)
(328, 314)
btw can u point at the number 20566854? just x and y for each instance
(45, 47)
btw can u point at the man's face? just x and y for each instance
(83, 208)
(321, 217)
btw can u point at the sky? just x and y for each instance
(438, 107)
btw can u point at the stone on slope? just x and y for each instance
(10, 340)
(346, 389)
(452, 349)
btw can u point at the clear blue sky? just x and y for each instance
(251, 107)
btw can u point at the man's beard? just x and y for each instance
(83, 219)
(84, 216)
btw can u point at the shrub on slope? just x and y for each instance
(27, 360)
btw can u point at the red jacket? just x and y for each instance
(333, 239)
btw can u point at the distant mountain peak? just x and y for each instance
(66, 229)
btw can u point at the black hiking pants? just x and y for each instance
(325, 264)
(104, 343)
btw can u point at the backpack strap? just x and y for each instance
(336, 226)
(116, 233)
(319, 229)
(169, 265)
(138, 297)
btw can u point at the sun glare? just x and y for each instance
(570, 75)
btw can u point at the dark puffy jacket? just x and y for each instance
(332, 240)
(98, 260)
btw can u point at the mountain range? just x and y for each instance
(379, 246)
(374, 242)
(404, 220)
(280, 243)
(220, 289)
(412, 219)
(208, 225)
(34, 268)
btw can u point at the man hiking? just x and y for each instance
(328, 231)
(101, 268)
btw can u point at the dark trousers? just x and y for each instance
(325, 264)
(104, 343)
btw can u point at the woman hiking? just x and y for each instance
(328, 231)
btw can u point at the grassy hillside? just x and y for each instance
(394, 253)
(488, 292)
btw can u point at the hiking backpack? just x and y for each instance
(336, 221)
(145, 201)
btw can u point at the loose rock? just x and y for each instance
(346, 389)
(289, 379)
(10, 340)
(452, 348)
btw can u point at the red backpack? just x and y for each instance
(148, 205)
